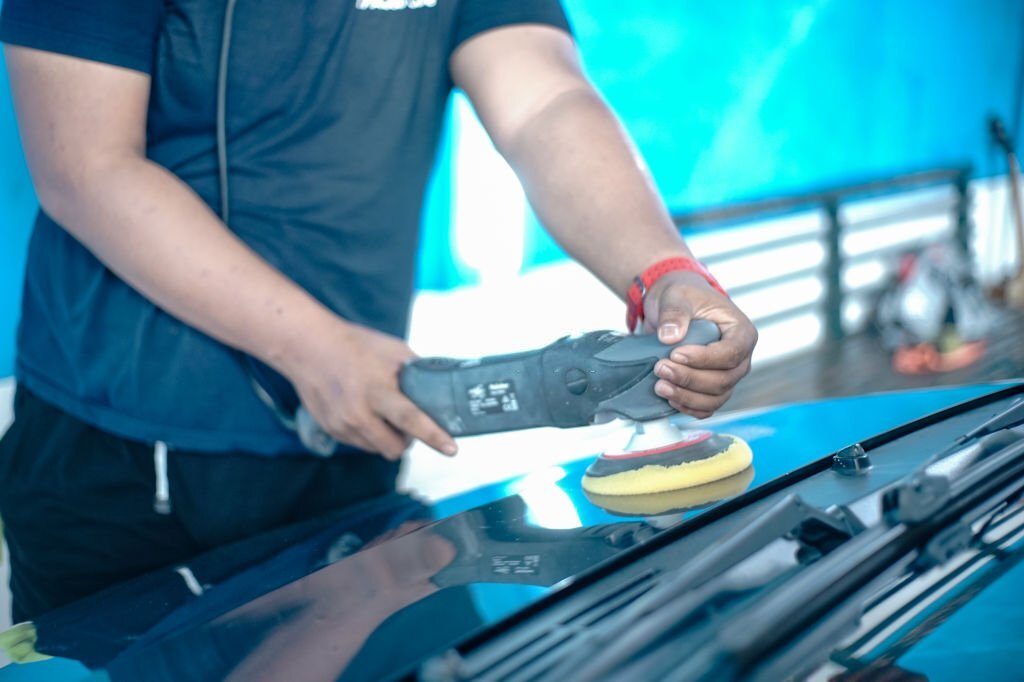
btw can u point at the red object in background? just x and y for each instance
(925, 358)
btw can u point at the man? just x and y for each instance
(230, 195)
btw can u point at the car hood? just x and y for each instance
(370, 593)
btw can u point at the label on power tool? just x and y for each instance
(494, 397)
(515, 564)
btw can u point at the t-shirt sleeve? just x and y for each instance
(118, 32)
(477, 16)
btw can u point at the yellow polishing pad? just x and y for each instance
(675, 501)
(699, 458)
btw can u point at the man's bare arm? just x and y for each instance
(592, 192)
(83, 127)
(583, 177)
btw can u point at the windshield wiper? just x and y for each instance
(809, 531)
(791, 627)
(921, 494)
(688, 628)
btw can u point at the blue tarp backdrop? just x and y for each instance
(728, 100)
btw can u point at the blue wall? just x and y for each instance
(745, 99)
(731, 100)
(17, 208)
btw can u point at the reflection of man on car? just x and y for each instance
(359, 582)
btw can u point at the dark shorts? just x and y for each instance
(78, 504)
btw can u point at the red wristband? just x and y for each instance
(642, 283)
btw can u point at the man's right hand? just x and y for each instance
(347, 378)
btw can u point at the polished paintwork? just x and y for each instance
(370, 593)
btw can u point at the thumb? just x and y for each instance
(673, 314)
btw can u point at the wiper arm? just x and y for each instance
(921, 494)
(1005, 420)
(603, 648)
(928, 520)
(784, 628)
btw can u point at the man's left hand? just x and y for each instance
(697, 380)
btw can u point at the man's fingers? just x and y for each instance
(386, 440)
(351, 437)
(698, 380)
(699, 414)
(734, 348)
(706, 381)
(690, 401)
(405, 416)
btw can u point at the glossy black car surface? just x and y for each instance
(378, 591)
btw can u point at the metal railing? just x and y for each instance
(830, 202)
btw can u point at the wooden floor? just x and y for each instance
(859, 364)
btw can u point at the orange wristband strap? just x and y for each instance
(644, 281)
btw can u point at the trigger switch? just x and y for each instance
(576, 381)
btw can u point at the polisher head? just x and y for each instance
(662, 457)
(674, 502)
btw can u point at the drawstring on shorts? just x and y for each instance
(162, 494)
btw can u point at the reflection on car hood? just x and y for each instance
(369, 593)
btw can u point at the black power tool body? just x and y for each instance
(578, 380)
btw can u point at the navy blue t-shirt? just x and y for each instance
(334, 109)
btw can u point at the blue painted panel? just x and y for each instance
(17, 209)
(435, 269)
(748, 99)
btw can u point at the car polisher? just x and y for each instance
(576, 381)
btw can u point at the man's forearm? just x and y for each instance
(150, 229)
(588, 186)
(158, 236)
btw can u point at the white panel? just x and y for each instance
(781, 339)
(769, 263)
(781, 297)
(855, 315)
(6, 403)
(995, 242)
(709, 243)
(906, 232)
(853, 212)
(867, 273)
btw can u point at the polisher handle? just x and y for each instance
(575, 381)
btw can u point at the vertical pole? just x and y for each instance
(962, 213)
(833, 272)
